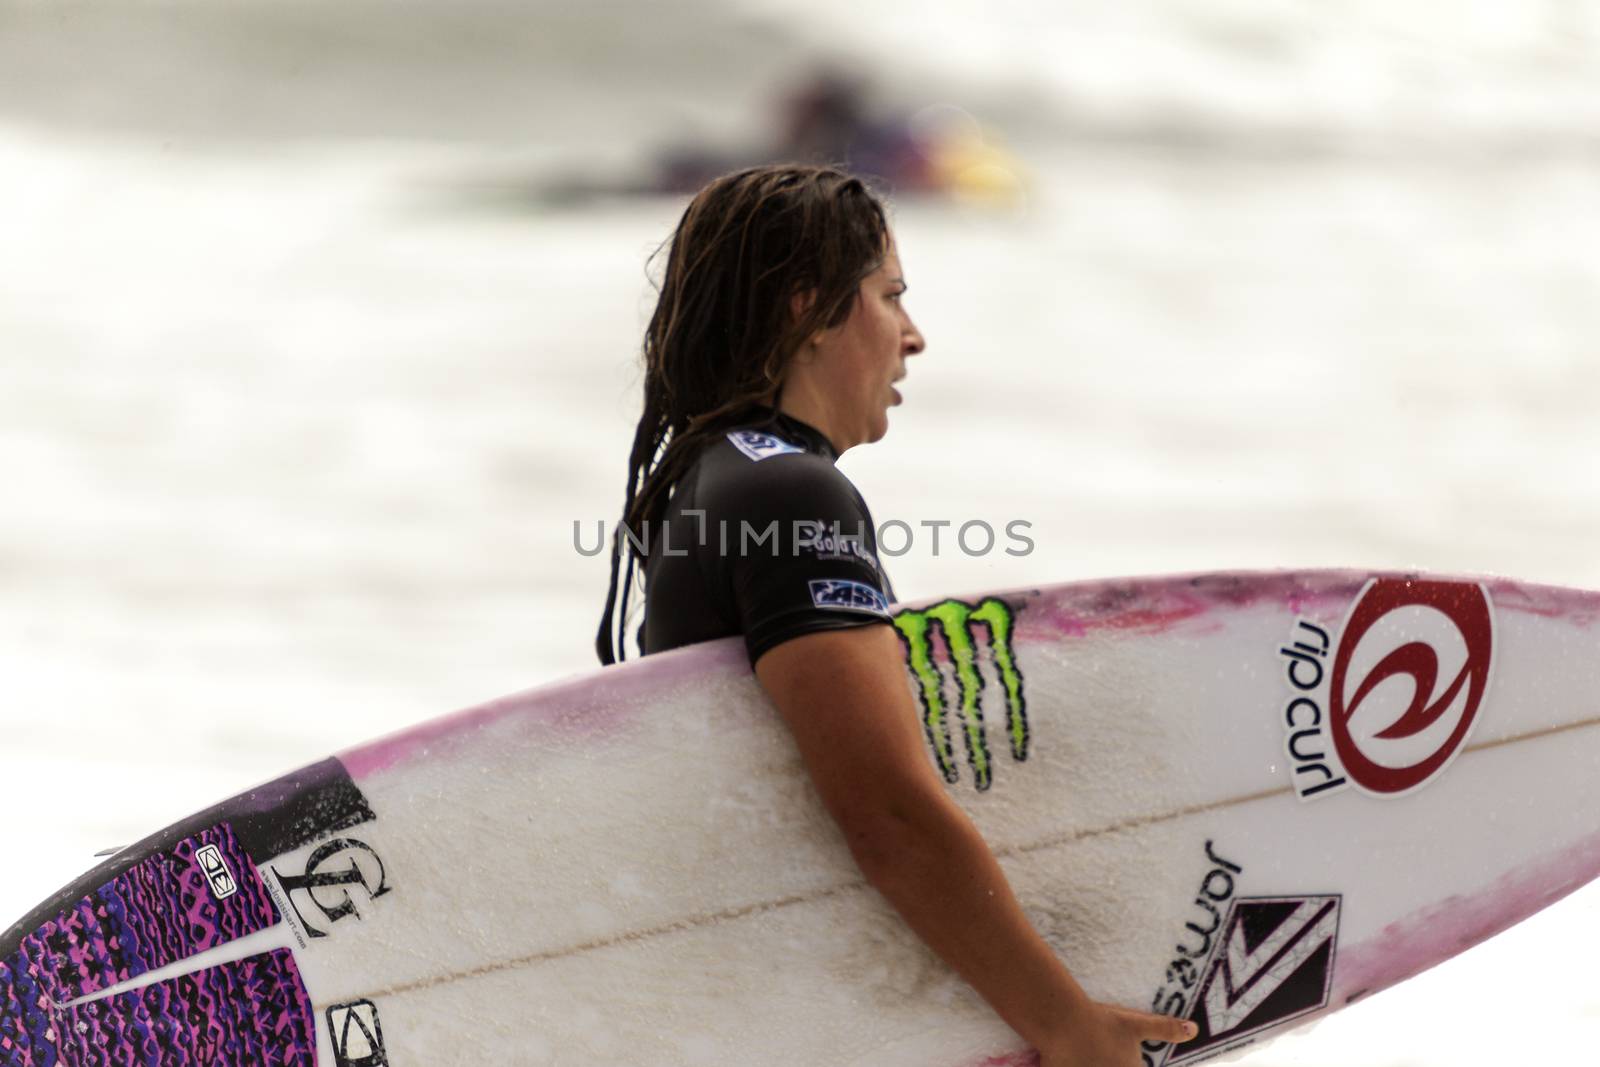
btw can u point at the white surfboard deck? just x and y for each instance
(1247, 799)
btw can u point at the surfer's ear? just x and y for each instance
(800, 303)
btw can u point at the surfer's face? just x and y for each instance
(849, 370)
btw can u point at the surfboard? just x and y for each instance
(1245, 799)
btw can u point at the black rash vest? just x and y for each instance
(764, 537)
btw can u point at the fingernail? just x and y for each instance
(1190, 1029)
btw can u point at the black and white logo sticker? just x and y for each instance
(327, 882)
(1274, 963)
(357, 1035)
(215, 868)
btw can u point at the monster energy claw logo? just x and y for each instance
(954, 620)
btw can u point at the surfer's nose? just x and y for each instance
(911, 342)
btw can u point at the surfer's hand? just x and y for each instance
(1105, 1035)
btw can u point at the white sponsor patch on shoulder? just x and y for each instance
(841, 594)
(759, 446)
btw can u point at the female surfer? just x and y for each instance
(776, 340)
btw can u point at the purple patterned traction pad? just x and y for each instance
(253, 1012)
(201, 893)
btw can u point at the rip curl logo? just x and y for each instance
(844, 595)
(954, 621)
(759, 446)
(1389, 706)
(1439, 636)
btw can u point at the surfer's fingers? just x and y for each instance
(1165, 1028)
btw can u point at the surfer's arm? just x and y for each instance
(844, 696)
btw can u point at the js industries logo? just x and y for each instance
(1273, 964)
(1391, 703)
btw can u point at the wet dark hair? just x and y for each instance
(723, 329)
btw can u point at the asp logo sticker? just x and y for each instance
(845, 595)
(1392, 702)
(956, 623)
(759, 446)
(1272, 964)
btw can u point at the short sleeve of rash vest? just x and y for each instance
(802, 556)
